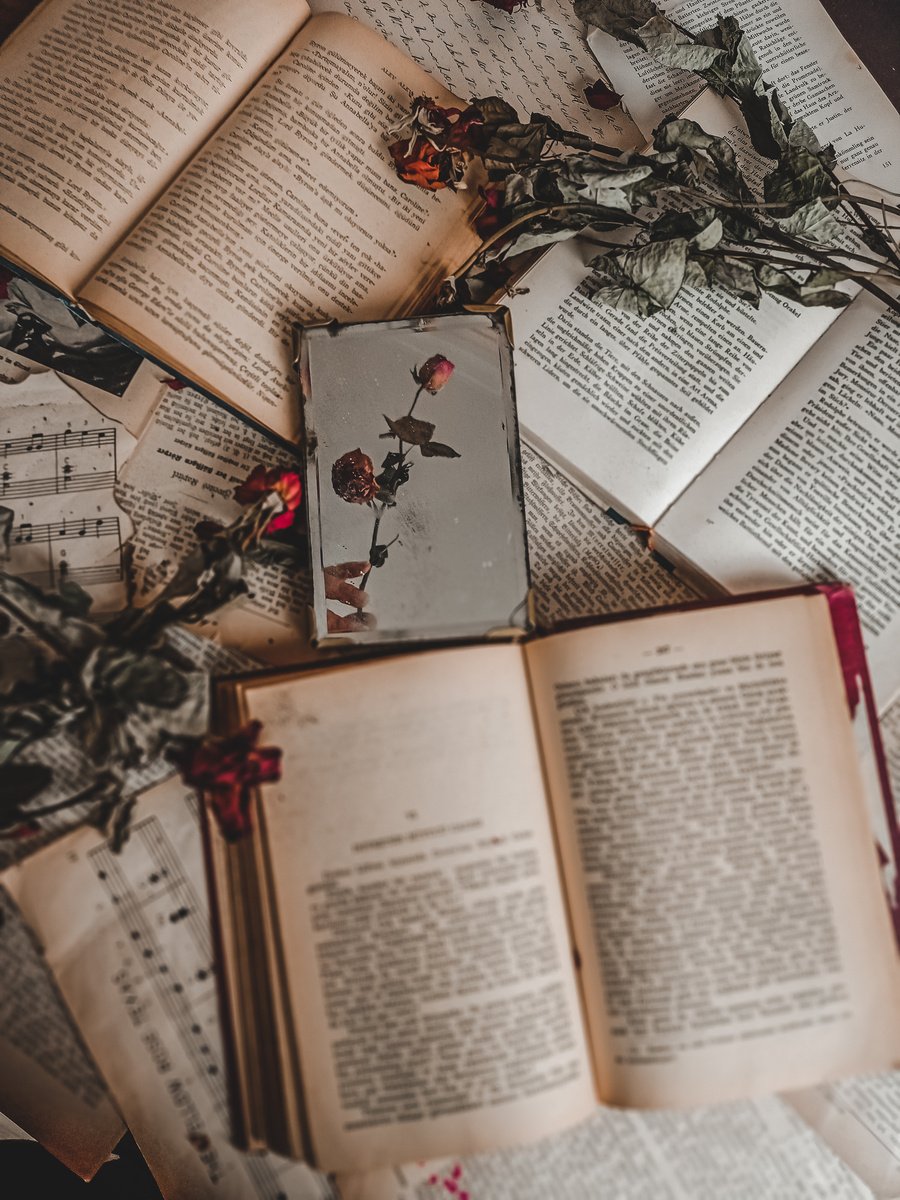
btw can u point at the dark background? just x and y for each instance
(872, 27)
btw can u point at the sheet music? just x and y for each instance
(184, 470)
(48, 1084)
(59, 463)
(128, 939)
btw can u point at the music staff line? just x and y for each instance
(69, 439)
(66, 477)
(57, 531)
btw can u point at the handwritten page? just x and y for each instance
(184, 470)
(802, 52)
(59, 463)
(127, 937)
(48, 1084)
(537, 60)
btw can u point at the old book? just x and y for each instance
(758, 445)
(414, 497)
(199, 178)
(630, 863)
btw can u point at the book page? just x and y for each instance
(536, 60)
(810, 488)
(292, 212)
(48, 1083)
(127, 937)
(802, 52)
(422, 919)
(104, 101)
(583, 561)
(631, 407)
(184, 470)
(754, 1150)
(720, 865)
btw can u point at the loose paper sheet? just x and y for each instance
(127, 937)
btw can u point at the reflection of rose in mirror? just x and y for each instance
(353, 477)
(354, 480)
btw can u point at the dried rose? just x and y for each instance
(225, 769)
(425, 165)
(175, 383)
(433, 374)
(598, 95)
(489, 219)
(353, 477)
(284, 484)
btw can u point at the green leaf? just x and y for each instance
(621, 18)
(799, 177)
(410, 429)
(815, 290)
(673, 48)
(708, 238)
(812, 221)
(439, 450)
(657, 269)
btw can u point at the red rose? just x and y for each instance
(225, 769)
(285, 484)
(433, 374)
(353, 477)
(426, 166)
(598, 95)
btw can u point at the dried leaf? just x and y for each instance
(621, 18)
(439, 450)
(410, 429)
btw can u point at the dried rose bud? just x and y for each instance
(261, 482)
(433, 374)
(226, 768)
(490, 219)
(353, 477)
(598, 95)
(425, 165)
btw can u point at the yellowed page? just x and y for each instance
(426, 944)
(103, 103)
(720, 866)
(48, 1083)
(127, 937)
(292, 212)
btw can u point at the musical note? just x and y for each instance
(26, 533)
(35, 442)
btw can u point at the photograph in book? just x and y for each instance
(254, 189)
(413, 479)
(42, 328)
(377, 920)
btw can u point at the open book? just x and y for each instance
(630, 862)
(639, 412)
(200, 177)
